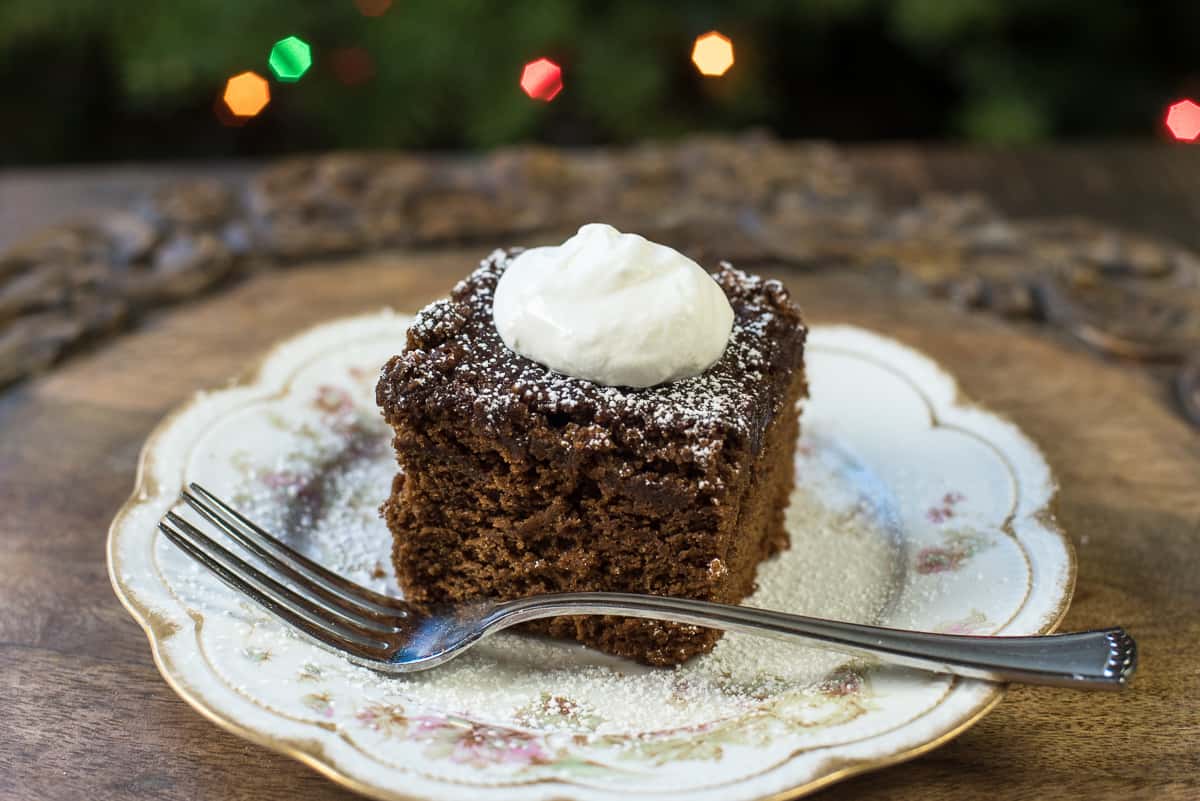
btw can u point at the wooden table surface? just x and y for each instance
(85, 714)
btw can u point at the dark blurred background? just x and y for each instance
(99, 81)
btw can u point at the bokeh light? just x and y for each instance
(372, 8)
(542, 79)
(1183, 120)
(352, 65)
(224, 115)
(290, 58)
(712, 54)
(246, 94)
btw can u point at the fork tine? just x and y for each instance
(311, 624)
(357, 609)
(264, 588)
(245, 531)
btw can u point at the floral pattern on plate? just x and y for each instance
(911, 509)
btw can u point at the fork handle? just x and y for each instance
(1103, 659)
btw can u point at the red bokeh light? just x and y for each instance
(1183, 120)
(352, 65)
(542, 79)
(373, 8)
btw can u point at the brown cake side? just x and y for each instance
(516, 480)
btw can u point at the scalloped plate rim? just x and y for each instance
(313, 754)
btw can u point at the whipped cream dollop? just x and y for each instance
(612, 308)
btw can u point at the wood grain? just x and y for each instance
(85, 715)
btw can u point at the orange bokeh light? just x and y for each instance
(1183, 120)
(712, 54)
(542, 79)
(247, 94)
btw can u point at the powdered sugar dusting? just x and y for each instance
(843, 564)
(456, 361)
(869, 457)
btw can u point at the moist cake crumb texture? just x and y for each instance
(517, 480)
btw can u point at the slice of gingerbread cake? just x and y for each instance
(634, 447)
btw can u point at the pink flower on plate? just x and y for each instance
(428, 723)
(959, 546)
(938, 560)
(486, 745)
(940, 513)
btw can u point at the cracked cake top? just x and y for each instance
(456, 362)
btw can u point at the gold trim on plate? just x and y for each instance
(312, 752)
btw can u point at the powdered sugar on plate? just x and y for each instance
(321, 492)
(913, 510)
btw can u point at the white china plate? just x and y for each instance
(913, 509)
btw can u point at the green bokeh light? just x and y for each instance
(290, 59)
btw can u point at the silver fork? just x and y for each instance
(388, 635)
